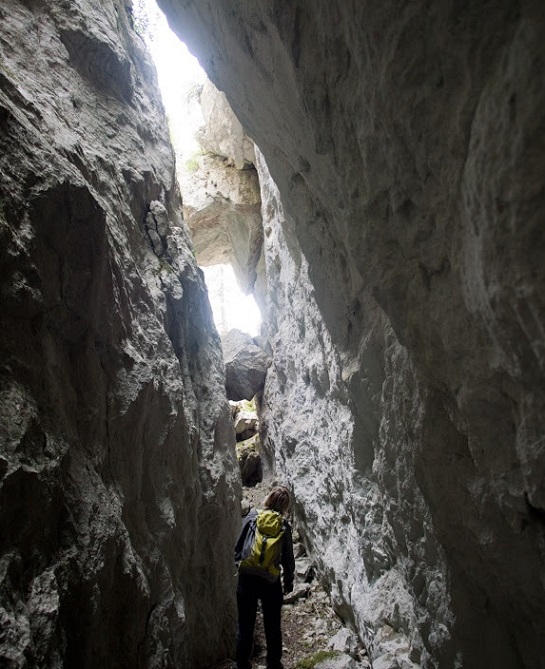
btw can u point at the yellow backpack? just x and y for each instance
(265, 552)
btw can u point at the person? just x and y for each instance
(254, 586)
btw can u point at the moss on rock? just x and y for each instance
(312, 661)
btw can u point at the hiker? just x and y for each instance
(259, 576)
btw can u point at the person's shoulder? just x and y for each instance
(252, 513)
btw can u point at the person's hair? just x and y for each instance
(278, 499)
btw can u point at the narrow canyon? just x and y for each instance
(395, 245)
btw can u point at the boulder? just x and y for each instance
(248, 406)
(345, 641)
(222, 208)
(246, 425)
(249, 459)
(222, 204)
(245, 365)
(304, 569)
(300, 590)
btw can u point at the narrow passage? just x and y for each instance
(311, 630)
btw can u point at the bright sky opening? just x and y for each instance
(230, 306)
(180, 75)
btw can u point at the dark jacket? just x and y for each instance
(286, 557)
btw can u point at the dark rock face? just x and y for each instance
(250, 462)
(118, 480)
(406, 143)
(245, 365)
(248, 443)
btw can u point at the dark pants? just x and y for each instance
(250, 589)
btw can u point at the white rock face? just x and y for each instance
(222, 206)
(306, 415)
(223, 134)
(223, 211)
(117, 472)
(407, 145)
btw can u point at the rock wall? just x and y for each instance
(118, 480)
(406, 293)
(308, 415)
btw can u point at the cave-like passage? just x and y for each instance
(406, 395)
(309, 624)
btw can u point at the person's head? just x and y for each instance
(278, 499)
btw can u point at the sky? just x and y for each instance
(179, 74)
(231, 308)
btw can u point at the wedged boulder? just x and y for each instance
(222, 204)
(245, 365)
(249, 460)
(246, 425)
(222, 208)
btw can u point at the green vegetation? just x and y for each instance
(247, 405)
(251, 445)
(192, 163)
(144, 19)
(312, 660)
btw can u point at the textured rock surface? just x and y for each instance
(407, 145)
(222, 133)
(248, 442)
(246, 425)
(249, 460)
(223, 212)
(245, 365)
(117, 466)
(339, 662)
(222, 206)
(306, 414)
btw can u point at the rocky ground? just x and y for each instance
(313, 635)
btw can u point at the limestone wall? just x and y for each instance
(340, 461)
(406, 285)
(117, 474)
